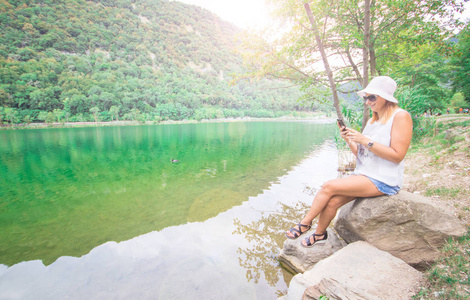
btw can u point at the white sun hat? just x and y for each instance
(383, 86)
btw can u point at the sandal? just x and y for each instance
(315, 241)
(298, 232)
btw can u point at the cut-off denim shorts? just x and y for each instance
(385, 188)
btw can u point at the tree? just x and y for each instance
(2, 111)
(67, 116)
(58, 114)
(365, 58)
(324, 57)
(11, 115)
(461, 62)
(431, 79)
(27, 119)
(49, 118)
(42, 116)
(135, 114)
(114, 111)
(457, 102)
(95, 110)
(344, 28)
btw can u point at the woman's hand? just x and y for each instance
(344, 131)
(345, 135)
(355, 136)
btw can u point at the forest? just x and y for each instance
(150, 60)
(154, 60)
(332, 48)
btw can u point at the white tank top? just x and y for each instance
(374, 166)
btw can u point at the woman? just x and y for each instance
(380, 151)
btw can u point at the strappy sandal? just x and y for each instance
(315, 241)
(298, 232)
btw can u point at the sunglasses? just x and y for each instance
(371, 98)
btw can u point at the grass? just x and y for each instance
(449, 276)
(442, 191)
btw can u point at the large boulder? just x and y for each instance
(406, 225)
(358, 271)
(299, 258)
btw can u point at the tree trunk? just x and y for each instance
(365, 59)
(373, 61)
(372, 56)
(354, 66)
(329, 73)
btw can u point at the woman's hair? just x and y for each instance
(389, 108)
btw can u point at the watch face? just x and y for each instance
(370, 144)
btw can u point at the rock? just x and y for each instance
(407, 225)
(358, 271)
(334, 290)
(300, 259)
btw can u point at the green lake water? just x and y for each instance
(65, 191)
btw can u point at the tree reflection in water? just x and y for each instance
(266, 237)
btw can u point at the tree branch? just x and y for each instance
(325, 60)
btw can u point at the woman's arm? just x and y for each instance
(402, 129)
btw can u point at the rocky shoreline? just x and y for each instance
(437, 167)
(376, 250)
(317, 119)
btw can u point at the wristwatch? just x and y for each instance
(370, 144)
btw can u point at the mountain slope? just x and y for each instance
(152, 58)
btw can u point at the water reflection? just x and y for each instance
(65, 191)
(197, 260)
(266, 238)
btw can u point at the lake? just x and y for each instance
(104, 213)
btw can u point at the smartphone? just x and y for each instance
(341, 124)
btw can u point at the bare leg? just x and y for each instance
(346, 190)
(328, 213)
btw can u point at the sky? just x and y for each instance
(466, 13)
(251, 13)
(243, 13)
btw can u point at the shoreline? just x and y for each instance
(316, 119)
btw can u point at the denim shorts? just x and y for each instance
(385, 188)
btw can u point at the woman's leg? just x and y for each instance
(328, 214)
(350, 188)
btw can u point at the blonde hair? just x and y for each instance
(388, 111)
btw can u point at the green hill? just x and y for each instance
(148, 60)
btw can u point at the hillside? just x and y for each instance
(149, 59)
